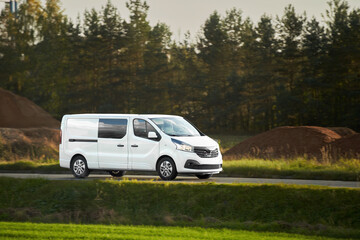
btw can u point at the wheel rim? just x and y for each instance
(79, 167)
(166, 168)
(115, 172)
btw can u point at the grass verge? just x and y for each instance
(11, 230)
(332, 212)
(346, 170)
(32, 166)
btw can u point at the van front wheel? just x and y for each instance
(79, 167)
(166, 169)
(117, 173)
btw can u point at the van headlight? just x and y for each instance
(182, 146)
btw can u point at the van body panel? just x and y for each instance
(200, 141)
(80, 137)
(143, 152)
(145, 155)
(113, 153)
(64, 162)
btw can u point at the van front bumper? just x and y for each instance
(193, 164)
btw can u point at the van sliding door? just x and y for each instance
(112, 143)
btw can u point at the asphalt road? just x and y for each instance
(190, 179)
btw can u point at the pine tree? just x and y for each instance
(290, 27)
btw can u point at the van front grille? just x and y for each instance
(204, 152)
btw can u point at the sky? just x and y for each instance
(190, 15)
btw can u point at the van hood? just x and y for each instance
(198, 141)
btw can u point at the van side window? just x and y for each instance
(142, 128)
(112, 128)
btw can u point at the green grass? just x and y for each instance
(50, 166)
(333, 212)
(345, 169)
(11, 230)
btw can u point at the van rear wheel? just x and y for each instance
(117, 173)
(79, 167)
(166, 169)
(204, 176)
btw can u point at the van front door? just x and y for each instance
(112, 144)
(144, 152)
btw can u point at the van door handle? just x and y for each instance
(134, 145)
(120, 145)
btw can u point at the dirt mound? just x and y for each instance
(343, 131)
(20, 112)
(348, 147)
(29, 143)
(288, 142)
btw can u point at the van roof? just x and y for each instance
(100, 115)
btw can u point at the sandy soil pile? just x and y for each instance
(288, 142)
(348, 147)
(29, 143)
(20, 112)
(26, 130)
(47, 136)
(342, 131)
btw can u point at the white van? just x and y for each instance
(118, 142)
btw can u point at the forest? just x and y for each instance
(235, 76)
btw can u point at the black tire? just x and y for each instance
(116, 173)
(203, 176)
(166, 169)
(79, 167)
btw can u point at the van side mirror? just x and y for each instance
(152, 135)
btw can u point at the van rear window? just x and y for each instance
(81, 128)
(112, 128)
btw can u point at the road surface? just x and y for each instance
(190, 179)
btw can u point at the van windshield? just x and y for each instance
(176, 126)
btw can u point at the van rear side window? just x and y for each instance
(81, 128)
(112, 128)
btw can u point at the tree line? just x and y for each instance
(235, 76)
